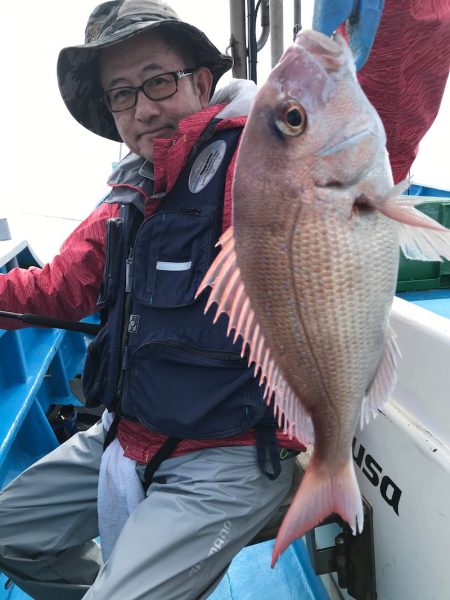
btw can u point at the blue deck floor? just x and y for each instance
(251, 578)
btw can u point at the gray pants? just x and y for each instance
(203, 508)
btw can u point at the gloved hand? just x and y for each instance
(362, 19)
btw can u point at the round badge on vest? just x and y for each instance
(206, 165)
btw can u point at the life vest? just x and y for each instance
(159, 359)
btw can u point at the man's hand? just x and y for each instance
(361, 18)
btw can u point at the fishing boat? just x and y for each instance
(402, 457)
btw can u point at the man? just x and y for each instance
(191, 469)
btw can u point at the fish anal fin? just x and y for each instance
(320, 494)
(384, 381)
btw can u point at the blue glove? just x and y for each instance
(362, 16)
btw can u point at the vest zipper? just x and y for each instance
(125, 319)
(126, 308)
(213, 354)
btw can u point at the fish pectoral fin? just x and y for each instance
(228, 292)
(384, 381)
(425, 244)
(420, 236)
(323, 491)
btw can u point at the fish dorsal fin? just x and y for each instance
(384, 382)
(228, 292)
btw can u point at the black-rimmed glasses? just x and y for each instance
(160, 87)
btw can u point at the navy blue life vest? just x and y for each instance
(159, 359)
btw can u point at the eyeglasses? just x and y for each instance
(159, 87)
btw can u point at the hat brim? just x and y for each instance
(78, 77)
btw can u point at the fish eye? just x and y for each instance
(290, 117)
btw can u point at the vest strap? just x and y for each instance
(206, 135)
(111, 433)
(267, 450)
(164, 452)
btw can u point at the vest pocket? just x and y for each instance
(182, 390)
(171, 255)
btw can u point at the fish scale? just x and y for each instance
(307, 272)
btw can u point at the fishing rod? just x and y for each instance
(30, 319)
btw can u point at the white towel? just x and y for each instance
(119, 491)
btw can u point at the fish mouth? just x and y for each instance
(351, 140)
(333, 54)
(320, 45)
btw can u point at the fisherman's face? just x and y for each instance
(130, 64)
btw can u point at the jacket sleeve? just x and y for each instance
(68, 286)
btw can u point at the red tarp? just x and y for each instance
(406, 72)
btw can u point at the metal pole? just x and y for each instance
(265, 25)
(252, 50)
(297, 17)
(276, 30)
(238, 39)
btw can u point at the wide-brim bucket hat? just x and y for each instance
(112, 23)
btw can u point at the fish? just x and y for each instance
(307, 271)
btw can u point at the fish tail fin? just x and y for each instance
(321, 493)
